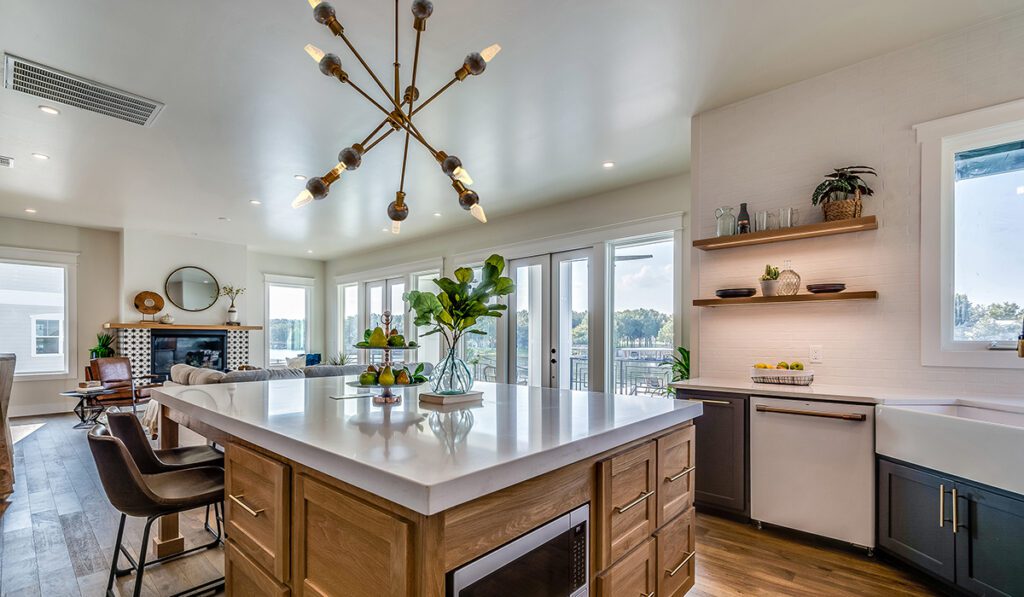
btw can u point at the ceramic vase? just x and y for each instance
(232, 313)
(451, 376)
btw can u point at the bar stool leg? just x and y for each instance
(142, 555)
(117, 555)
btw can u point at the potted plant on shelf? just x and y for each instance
(232, 293)
(104, 347)
(680, 365)
(770, 281)
(839, 195)
(454, 311)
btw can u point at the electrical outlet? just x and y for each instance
(816, 353)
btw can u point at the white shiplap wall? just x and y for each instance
(772, 149)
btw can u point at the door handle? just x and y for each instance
(955, 508)
(942, 505)
(811, 413)
(238, 500)
(678, 475)
(643, 496)
(707, 401)
(675, 570)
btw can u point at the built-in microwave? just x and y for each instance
(552, 560)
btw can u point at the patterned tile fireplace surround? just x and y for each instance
(137, 345)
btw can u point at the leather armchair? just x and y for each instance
(115, 373)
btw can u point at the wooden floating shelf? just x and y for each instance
(861, 295)
(784, 234)
(155, 325)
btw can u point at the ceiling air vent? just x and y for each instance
(6, 162)
(71, 90)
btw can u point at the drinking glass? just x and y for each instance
(761, 221)
(789, 217)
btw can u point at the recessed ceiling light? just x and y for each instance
(224, 219)
(206, 281)
(29, 210)
(299, 177)
(255, 202)
(385, 230)
(1020, 190)
(49, 110)
(40, 156)
(437, 214)
(608, 165)
(310, 251)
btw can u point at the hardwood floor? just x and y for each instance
(58, 532)
(58, 529)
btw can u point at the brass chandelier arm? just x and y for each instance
(412, 95)
(431, 98)
(366, 67)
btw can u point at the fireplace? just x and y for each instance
(199, 348)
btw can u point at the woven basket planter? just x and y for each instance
(843, 209)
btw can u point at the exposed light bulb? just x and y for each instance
(315, 53)
(314, 3)
(461, 175)
(490, 52)
(396, 226)
(478, 212)
(303, 198)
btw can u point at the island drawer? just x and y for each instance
(257, 507)
(675, 547)
(245, 577)
(632, 576)
(676, 460)
(628, 504)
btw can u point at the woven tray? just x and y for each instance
(783, 377)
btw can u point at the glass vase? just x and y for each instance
(789, 280)
(451, 376)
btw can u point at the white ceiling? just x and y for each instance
(578, 82)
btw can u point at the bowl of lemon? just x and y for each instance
(782, 373)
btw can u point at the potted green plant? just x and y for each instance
(839, 195)
(104, 347)
(232, 293)
(680, 365)
(770, 281)
(454, 311)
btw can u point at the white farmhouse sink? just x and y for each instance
(974, 442)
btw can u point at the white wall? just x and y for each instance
(771, 150)
(261, 264)
(99, 276)
(649, 200)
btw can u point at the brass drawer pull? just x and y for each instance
(643, 496)
(685, 561)
(651, 594)
(679, 475)
(942, 505)
(811, 413)
(707, 401)
(955, 508)
(238, 500)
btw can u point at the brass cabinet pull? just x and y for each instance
(238, 500)
(686, 560)
(955, 508)
(678, 475)
(942, 505)
(651, 594)
(708, 401)
(811, 413)
(643, 496)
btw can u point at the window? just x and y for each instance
(288, 318)
(643, 333)
(48, 335)
(351, 330)
(37, 311)
(430, 346)
(481, 351)
(988, 200)
(972, 203)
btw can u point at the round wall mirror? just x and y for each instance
(192, 288)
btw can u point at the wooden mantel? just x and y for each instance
(155, 325)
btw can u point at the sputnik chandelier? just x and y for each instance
(398, 109)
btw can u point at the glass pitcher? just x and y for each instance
(726, 221)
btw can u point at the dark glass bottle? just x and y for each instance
(743, 220)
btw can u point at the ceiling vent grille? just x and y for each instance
(71, 90)
(6, 162)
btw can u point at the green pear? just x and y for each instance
(386, 377)
(378, 339)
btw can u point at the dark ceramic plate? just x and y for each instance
(735, 292)
(825, 288)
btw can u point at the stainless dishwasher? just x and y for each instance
(812, 467)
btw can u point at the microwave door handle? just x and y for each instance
(761, 408)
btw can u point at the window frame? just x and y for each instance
(307, 284)
(35, 319)
(68, 261)
(940, 140)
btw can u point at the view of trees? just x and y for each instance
(996, 321)
(287, 334)
(641, 328)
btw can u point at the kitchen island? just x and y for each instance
(331, 494)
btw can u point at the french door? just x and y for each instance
(381, 296)
(549, 319)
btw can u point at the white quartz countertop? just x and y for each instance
(847, 393)
(424, 457)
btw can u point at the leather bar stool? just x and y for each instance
(151, 496)
(126, 427)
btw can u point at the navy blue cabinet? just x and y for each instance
(957, 530)
(721, 482)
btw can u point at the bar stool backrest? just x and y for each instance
(122, 481)
(127, 428)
